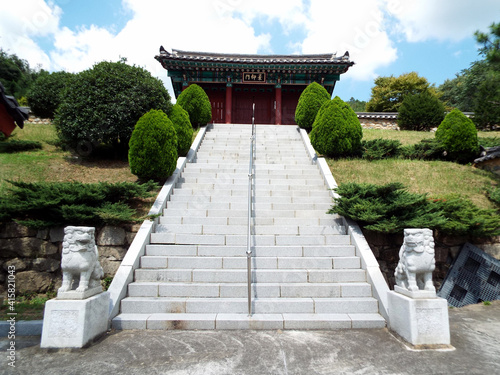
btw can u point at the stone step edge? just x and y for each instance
(225, 321)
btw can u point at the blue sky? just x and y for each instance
(384, 37)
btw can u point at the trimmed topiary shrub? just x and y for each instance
(310, 101)
(45, 95)
(197, 104)
(183, 129)
(336, 130)
(153, 147)
(458, 136)
(422, 112)
(103, 104)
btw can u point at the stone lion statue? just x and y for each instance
(416, 261)
(80, 260)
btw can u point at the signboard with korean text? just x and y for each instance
(254, 77)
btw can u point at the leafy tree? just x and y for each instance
(16, 74)
(421, 111)
(197, 104)
(153, 147)
(461, 91)
(310, 101)
(183, 129)
(357, 105)
(103, 104)
(487, 108)
(389, 92)
(336, 129)
(490, 43)
(46, 93)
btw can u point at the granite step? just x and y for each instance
(155, 305)
(221, 321)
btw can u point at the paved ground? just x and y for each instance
(475, 334)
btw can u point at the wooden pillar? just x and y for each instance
(278, 105)
(229, 102)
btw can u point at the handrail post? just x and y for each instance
(249, 232)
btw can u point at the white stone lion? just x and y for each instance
(416, 261)
(80, 260)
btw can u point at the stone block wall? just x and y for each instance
(36, 254)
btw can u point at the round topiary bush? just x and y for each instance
(458, 135)
(422, 112)
(183, 129)
(153, 147)
(103, 104)
(46, 93)
(310, 101)
(197, 104)
(336, 130)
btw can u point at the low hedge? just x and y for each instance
(391, 208)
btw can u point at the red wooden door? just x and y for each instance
(243, 100)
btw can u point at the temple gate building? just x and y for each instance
(234, 82)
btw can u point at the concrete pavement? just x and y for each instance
(475, 335)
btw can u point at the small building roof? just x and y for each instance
(11, 113)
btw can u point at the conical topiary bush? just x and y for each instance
(153, 147)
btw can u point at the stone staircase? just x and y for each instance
(305, 274)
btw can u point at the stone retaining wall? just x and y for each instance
(36, 254)
(386, 250)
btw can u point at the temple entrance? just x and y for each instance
(243, 99)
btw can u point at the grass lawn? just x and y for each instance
(436, 178)
(52, 164)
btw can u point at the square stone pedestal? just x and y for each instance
(74, 323)
(420, 321)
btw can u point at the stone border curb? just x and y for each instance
(23, 328)
(125, 273)
(368, 260)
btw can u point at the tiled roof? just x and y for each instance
(489, 153)
(259, 59)
(18, 114)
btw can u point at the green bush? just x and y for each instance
(153, 147)
(197, 104)
(458, 136)
(494, 195)
(19, 146)
(387, 209)
(466, 219)
(426, 149)
(46, 94)
(310, 101)
(377, 149)
(103, 104)
(422, 111)
(42, 205)
(489, 141)
(183, 129)
(391, 208)
(336, 130)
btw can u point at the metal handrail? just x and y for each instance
(250, 200)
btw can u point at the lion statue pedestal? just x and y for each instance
(415, 312)
(80, 312)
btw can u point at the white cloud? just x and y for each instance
(364, 27)
(21, 22)
(356, 26)
(443, 20)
